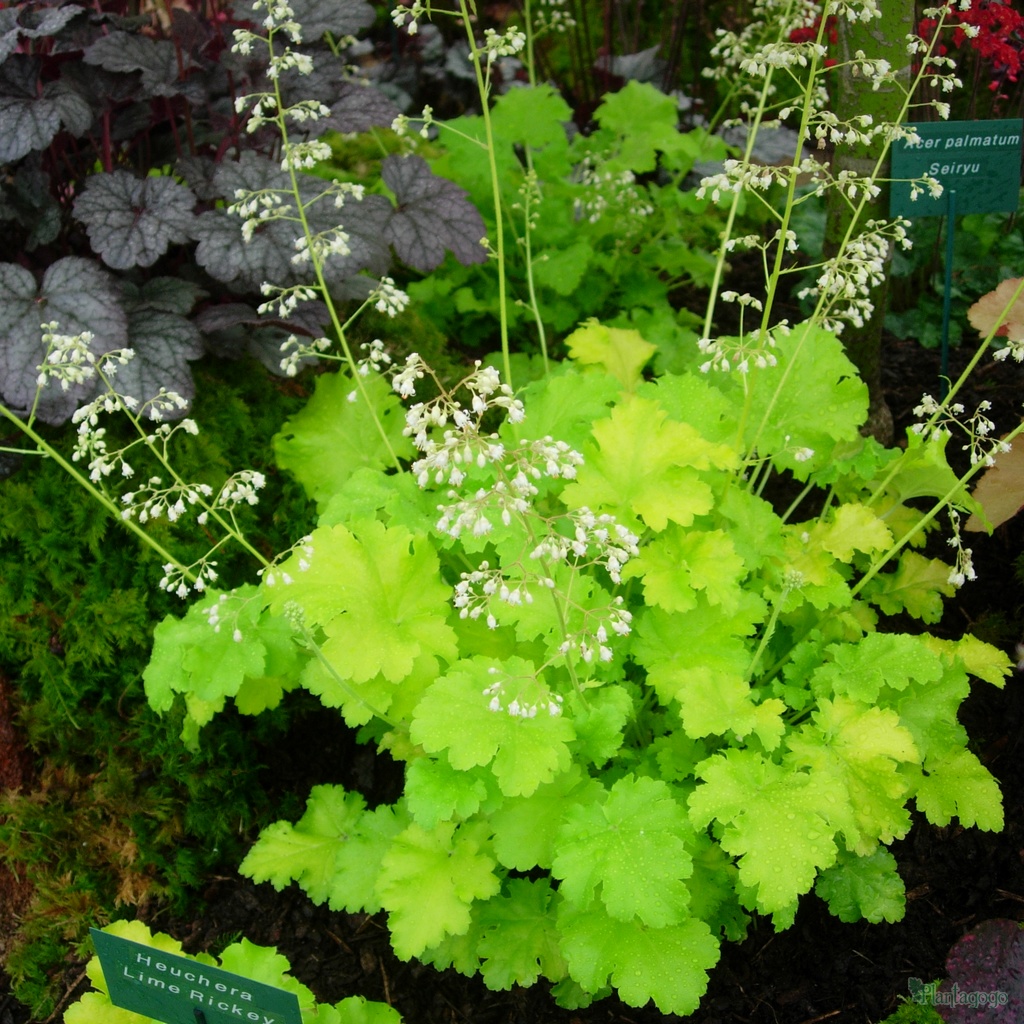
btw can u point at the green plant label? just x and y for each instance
(980, 160)
(173, 988)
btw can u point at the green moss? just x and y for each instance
(119, 817)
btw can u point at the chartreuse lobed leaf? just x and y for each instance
(526, 828)
(862, 669)
(979, 658)
(519, 940)
(333, 851)
(377, 594)
(863, 887)
(632, 845)
(917, 587)
(668, 965)
(645, 466)
(713, 702)
(619, 352)
(435, 791)
(501, 714)
(429, 879)
(859, 749)
(777, 821)
(638, 121)
(957, 784)
(813, 399)
(675, 648)
(331, 437)
(225, 646)
(678, 563)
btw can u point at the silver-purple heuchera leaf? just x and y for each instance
(339, 17)
(268, 256)
(360, 107)
(433, 215)
(30, 118)
(161, 65)
(132, 221)
(163, 342)
(80, 296)
(28, 22)
(986, 976)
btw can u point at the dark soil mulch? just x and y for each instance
(820, 970)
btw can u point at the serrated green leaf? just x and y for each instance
(979, 658)
(712, 702)
(620, 353)
(525, 828)
(672, 647)
(812, 399)
(332, 437)
(210, 660)
(776, 822)
(519, 941)
(855, 527)
(599, 722)
(435, 791)
(678, 563)
(916, 587)
(863, 887)
(377, 594)
(668, 965)
(428, 881)
(957, 784)
(632, 846)
(535, 116)
(563, 269)
(862, 669)
(643, 121)
(647, 466)
(498, 713)
(859, 749)
(334, 850)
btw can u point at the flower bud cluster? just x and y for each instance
(941, 418)
(524, 704)
(739, 176)
(846, 281)
(963, 569)
(596, 540)
(593, 640)
(752, 349)
(503, 44)
(285, 299)
(553, 16)
(305, 551)
(70, 360)
(240, 488)
(175, 581)
(388, 298)
(613, 193)
(153, 500)
(407, 17)
(475, 590)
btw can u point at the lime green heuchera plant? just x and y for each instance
(628, 636)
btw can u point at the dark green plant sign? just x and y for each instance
(172, 988)
(980, 160)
